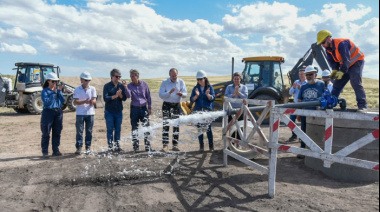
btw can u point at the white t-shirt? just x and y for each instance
(81, 94)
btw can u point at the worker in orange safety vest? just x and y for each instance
(347, 62)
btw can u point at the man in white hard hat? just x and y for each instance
(85, 99)
(312, 91)
(327, 79)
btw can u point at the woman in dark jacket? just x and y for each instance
(203, 95)
(52, 117)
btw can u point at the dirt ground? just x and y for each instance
(184, 181)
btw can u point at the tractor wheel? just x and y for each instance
(240, 150)
(35, 104)
(64, 106)
(263, 97)
(21, 110)
(70, 103)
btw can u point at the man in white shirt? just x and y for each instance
(171, 92)
(85, 99)
(294, 90)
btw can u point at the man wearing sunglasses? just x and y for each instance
(311, 91)
(347, 62)
(85, 99)
(113, 96)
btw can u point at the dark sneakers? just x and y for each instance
(57, 153)
(45, 155)
(292, 138)
(79, 150)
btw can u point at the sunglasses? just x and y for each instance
(53, 81)
(199, 79)
(309, 75)
(118, 77)
(323, 43)
(87, 80)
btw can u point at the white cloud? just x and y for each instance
(278, 29)
(13, 33)
(120, 34)
(18, 49)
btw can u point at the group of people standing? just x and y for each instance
(115, 93)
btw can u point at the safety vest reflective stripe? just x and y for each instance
(355, 52)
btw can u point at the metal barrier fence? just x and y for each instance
(280, 114)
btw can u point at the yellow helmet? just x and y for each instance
(322, 35)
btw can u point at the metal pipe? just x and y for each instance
(295, 105)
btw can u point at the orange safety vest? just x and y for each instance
(355, 52)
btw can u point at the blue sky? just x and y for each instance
(156, 35)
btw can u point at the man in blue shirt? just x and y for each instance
(113, 95)
(312, 91)
(295, 90)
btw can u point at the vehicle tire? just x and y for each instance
(21, 110)
(70, 103)
(64, 106)
(263, 97)
(35, 104)
(242, 151)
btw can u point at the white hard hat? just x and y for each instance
(52, 76)
(85, 75)
(201, 74)
(326, 73)
(309, 69)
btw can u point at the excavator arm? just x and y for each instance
(315, 52)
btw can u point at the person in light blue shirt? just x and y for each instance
(52, 116)
(295, 90)
(237, 90)
(171, 92)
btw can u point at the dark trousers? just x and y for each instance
(84, 122)
(303, 128)
(354, 75)
(51, 121)
(139, 115)
(210, 137)
(293, 118)
(169, 112)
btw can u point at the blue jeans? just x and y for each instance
(139, 115)
(209, 136)
(354, 75)
(293, 118)
(81, 121)
(51, 120)
(113, 123)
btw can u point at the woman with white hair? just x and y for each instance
(203, 95)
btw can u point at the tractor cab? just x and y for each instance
(261, 72)
(33, 74)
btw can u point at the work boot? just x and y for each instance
(88, 150)
(45, 155)
(57, 153)
(211, 148)
(165, 149)
(149, 149)
(136, 150)
(201, 148)
(79, 150)
(176, 149)
(292, 138)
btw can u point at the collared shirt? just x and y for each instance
(203, 102)
(51, 99)
(115, 105)
(167, 85)
(139, 94)
(296, 91)
(230, 90)
(330, 86)
(83, 94)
